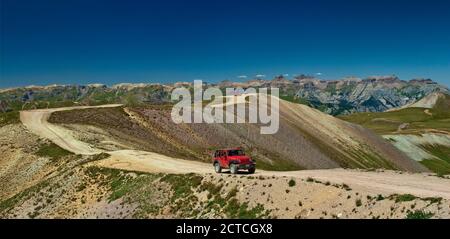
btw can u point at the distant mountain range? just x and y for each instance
(349, 95)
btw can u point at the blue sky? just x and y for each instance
(81, 41)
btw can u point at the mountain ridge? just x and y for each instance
(345, 96)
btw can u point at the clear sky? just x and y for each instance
(108, 41)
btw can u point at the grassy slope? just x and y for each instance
(439, 166)
(417, 118)
(418, 122)
(388, 122)
(9, 118)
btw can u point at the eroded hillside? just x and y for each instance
(307, 138)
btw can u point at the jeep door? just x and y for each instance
(223, 159)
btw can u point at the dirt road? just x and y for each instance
(387, 183)
(37, 122)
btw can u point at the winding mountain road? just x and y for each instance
(37, 122)
(387, 182)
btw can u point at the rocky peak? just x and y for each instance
(303, 77)
(103, 86)
(280, 81)
(422, 81)
(182, 84)
(382, 79)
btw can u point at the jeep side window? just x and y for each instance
(236, 152)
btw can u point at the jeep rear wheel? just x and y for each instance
(233, 168)
(217, 168)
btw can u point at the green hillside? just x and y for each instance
(415, 131)
(418, 119)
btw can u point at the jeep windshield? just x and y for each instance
(237, 152)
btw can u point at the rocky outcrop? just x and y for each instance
(374, 94)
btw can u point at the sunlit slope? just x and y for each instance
(307, 138)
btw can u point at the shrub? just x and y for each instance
(52, 151)
(433, 200)
(358, 202)
(404, 198)
(291, 183)
(232, 193)
(419, 215)
(346, 187)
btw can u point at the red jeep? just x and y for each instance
(233, 159)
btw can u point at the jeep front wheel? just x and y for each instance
(251, 170)
(233, 169)
(217, 168)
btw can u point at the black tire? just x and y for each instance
(251, 170)
(233, 168)
(217, 168)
